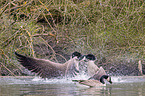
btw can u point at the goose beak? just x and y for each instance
(82, 58)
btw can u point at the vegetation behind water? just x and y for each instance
(112, 30)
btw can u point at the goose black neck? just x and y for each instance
(102, 78)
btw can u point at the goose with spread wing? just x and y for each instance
(48, 69)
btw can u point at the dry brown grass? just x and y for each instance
(53, 29)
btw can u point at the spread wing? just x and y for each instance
(99, 74)
(72, 69)
(44, 68)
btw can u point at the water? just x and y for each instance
(34, 86)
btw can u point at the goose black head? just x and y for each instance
(78, 55)
(90, 57)
(107, 78)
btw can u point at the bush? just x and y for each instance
(52, 29)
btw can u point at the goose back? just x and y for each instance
(90, 83)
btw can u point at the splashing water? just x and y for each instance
(81, 76)
(62, 80)
(128, 79)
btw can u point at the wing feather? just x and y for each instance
(44, 68)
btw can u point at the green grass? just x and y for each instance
(47, 29)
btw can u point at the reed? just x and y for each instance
(109, 29)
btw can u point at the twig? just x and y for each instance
(8, 69)
(49, 47)
(140, 67)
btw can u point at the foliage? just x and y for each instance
(53, 29)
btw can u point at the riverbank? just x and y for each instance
(111, 30)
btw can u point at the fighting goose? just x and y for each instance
(97, 74)
(93, 70)
(94, 82)
(48, 69)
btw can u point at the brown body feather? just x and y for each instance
(99, 74)
(94, 71)
(90, 83)
(92, 68)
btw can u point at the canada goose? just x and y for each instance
(48, 69)
(94, 82)
(97, 75)
(92, 68)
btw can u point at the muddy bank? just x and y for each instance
(123, 68)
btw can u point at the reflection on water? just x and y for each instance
(122, 86)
